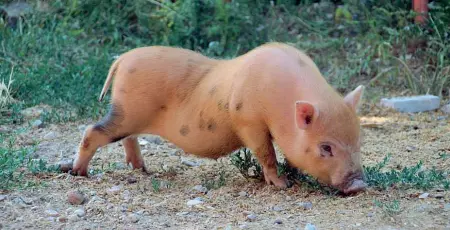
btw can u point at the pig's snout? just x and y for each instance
(355, 186)
(353, 183)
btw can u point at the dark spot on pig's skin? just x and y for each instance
(226, 106)
(307, 150)
(111, 122)
(163, 107)
(118, 138)
(213, 90)
(184, 130)
(219, 104)
(201, 124)
(238, 106)
(86, 143)
(131, 70)
(211, 125)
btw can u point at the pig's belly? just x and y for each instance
(204, 142)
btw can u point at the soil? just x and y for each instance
(118, 197)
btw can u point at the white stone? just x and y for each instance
(412, 104)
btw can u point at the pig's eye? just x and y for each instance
(325, 150)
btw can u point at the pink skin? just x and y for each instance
(211, 107)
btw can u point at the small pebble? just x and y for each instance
(75, 197)
(26, 200)
(133, 218)
(126, 195)
(447, 207)
(424, 195)
(37, 124)
(189, 163)
(131, 180)
(143, 142)
(370, 214)
(62, 219)
(52, 213)
(310, 227)
(243, 226)
(438, 195)
(73, 218)
(194, 202)
(82, 128)
(288, 198)
(278, 221)
(242, 193)
(114, 189)
(50, 136)
(200, 188)
(79, 212)
(2, 197)
(305, 205)
(251, 217)
(277, 208)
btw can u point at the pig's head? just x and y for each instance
(328, 141)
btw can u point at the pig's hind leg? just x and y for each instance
(112, 128)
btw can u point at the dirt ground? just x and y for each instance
(120, 198)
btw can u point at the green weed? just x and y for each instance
(389, 208)
(214, 183)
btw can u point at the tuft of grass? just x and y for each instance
(5, 92)
(407, 177)
(376, 177)
(156, 185)
(214, 183)
(16, 163)
(389, 208)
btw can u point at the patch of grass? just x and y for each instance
(376, 177)
(156, 185)
(216, 182)
(407, 177)
(389, 208)
(16, 163)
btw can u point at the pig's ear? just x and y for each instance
(353, 98)
(305, 114)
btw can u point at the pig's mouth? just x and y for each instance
(353, 183)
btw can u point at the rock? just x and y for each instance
(3, 197)
(446, 108)
(412, 104)
(114, 190)
(80, 212)
(310, 227)
(154, 139)
(62, 219)
(50, 136)
(277, 208)
(194, 202)
(447, 207)
(133, 218)
(370, 214)
(26, 201)
(143, 142)
(73, 218)
(410, 148)
(82, 128)
(126, 195)
(288, 198)
(424, 195)
(251, 217)
(438, 195)
(34, 112)
(242, 194)
(14, 11)
(200, 188)
(37, 124)
(65, 165)
(52, 213)
(189, 163)
(131, 180)
(243, 226)
(75, 197)
(305, 205)
(278, 221)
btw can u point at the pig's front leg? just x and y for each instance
(259, 141)
(267, 158)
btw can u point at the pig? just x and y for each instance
(212, 107)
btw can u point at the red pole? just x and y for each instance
(421, 8)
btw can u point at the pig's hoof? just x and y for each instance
(280, 182)
(79, 171)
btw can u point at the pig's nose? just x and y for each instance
(357, 185)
